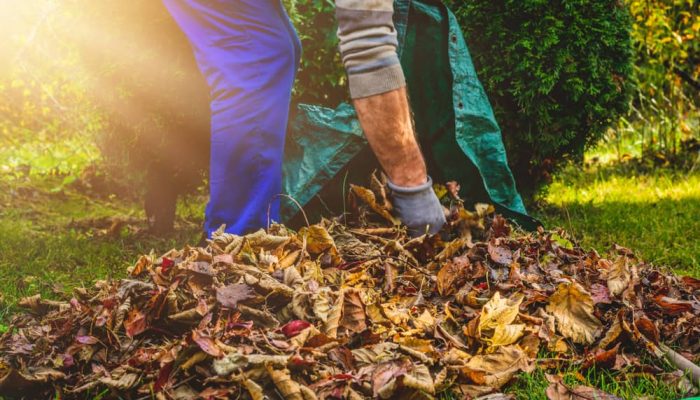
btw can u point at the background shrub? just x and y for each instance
(557, 74)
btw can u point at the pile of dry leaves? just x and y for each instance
(354, 310)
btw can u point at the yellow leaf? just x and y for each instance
(319, 241)
(333, 318)
(497, 316)
(368, 197)
(425, 322)
(572, 306)
(289, 389)
(495, 370)
(505, 335)
(618, 276)
(398, 316)
(255, 391)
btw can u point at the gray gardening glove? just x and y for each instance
(418, 208)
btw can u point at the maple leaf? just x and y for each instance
(229, 296)
(572, 306)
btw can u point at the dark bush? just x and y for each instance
(557, 73)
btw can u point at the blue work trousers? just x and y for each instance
(249, 53)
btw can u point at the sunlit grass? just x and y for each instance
(654, 213)
(40, 252)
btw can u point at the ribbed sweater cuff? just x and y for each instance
(376, 82)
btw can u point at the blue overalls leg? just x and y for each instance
(249, 52)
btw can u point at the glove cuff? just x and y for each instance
(412, 189)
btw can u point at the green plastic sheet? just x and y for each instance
(455, 124)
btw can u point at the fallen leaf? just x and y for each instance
(368, 197)
(647, 328)
(206, 343)
(135, 323)
(229, 296)
(572, 306)
(124, 382)
(498, 368)
(600, 294)
(618, 276)
(672, 306)
(557, 390)
(604, 359)
(495, 323)
(293, 328)
(500, 253)
(452, 276)
(353, 317)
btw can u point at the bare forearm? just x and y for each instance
(386, 120)
(368, 43)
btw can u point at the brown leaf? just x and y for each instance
(691, 283)
(229, 296)
(557, 390)
(289, 389)
(672, 306)
(452, 276)
(647, 328)
(499, 368)
(602, 358)
(135, 323)
(126, 381)
(572, 306)
(206, 343)
(384, 377)
(500, 253)
(600, 294)
(368, 197)
(618, 275)
(354, 317)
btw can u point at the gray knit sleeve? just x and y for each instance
(368, 46)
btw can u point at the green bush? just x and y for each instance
(557, 74)
(321, 79)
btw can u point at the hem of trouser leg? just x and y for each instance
(376, 82)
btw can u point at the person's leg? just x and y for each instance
(248, 56)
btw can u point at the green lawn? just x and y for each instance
(52, 239)
(654, 213)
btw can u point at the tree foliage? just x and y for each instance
(667, 73)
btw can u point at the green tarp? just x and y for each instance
(454, 121)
